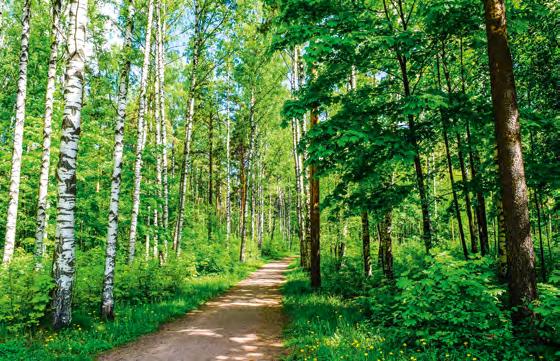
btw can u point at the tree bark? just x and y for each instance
(188, 135)
(64, 263)
(243, 199)
(40, 233)
(386, 244)
(539, 228)
(474, 161)
(15, 175)
(520, 253)
(160, 67)
(315, 218)
(366, 253)
(141, 134)
(107, 301)
(228, 173)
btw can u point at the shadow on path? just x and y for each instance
(244, 324)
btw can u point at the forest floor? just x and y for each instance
(245, 324)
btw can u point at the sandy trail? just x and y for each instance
(244, 324)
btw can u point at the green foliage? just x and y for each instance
(90, 336)
(547, 309)
(25, 294)
(452, 303)
(444, 309)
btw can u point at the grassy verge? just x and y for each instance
(89, 336)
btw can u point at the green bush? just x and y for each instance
(451, 303)
(24, 293)
(149, 281)
(547, 308)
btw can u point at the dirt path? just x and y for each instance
(244, 324)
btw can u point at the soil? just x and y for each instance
(244, 324)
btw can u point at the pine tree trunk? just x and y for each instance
(64, 258)
(15, 175)
(107, 302)
(315, 218)
(40, 233)
(520, 253)
(141, 133)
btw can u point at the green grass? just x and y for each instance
(89, 336)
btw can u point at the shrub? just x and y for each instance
(451, 302)
(24, 293)
(547, 308)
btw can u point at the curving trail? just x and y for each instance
(245, 324)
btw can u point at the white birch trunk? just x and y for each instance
(141, 136)
(188, 137)
(11, 220)
(107, 304)
(66, 171)
(160, 62)
(47, 130)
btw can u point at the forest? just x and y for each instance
(382, 177)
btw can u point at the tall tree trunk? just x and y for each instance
(474, 161)
(15, 175)
(260, 224)
(147, 246)
(40, 233)
(64, 262)
(366, 244)
(141, 133)
(520, 253)
(454, 192)
(210, 176)
(315, 218)
(160, 68)
(539, 228)
(107, 302)
(403, 66)
(468, 206)
(243, 199)
(228, 173)
(446, 123)
(386, 245)
(188, 135)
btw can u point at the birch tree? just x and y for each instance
(64, 262)
(141, 133)
(15, 176)
(47, 130)
(197, 44)
(107, 304)
(160, 61)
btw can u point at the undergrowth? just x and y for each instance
(440, 308)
